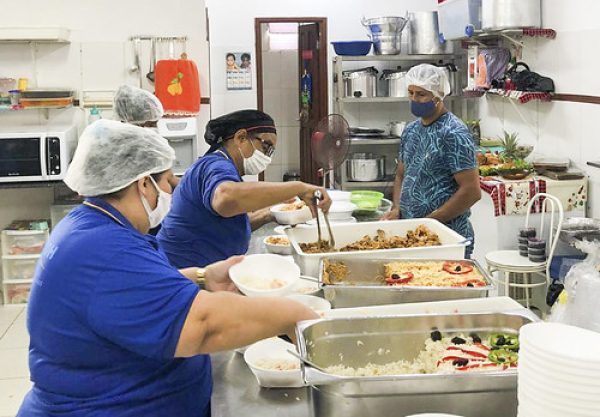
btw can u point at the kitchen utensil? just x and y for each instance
(352, 48)
(15, 97)
(396, 128)
(368, 130)
(365, 167)
(454, 78)
(510, 14)
(424, 34)
(22, 84)
(277, 249)
(358, 341)
(46, 93)
(329, 145)
(551, 164)
(150, 74)
(360, 82)
(305, 361)
(317, 197)
(366, 200)
(396, 82)
(386, 33)
(265, 351)
(136, 55)
(563, 176)
(363, 286)
(346, 233)
(290, 217)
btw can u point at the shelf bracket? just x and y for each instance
(517, 43)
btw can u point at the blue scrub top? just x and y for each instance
(105, 314)
(431, 156)
(193, 234)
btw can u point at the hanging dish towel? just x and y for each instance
(178, 86)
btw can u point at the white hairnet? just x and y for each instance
(430, 78)
(111, 155)
(137, 106)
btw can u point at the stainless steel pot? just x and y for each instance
(396, 128)
(454, 77)
(507, 14)
(386, 33)
(365, 167)
(396, 83)
(360, 83)
(424, 34)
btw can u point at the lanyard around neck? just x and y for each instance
(108, 213)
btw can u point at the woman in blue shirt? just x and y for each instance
(214, 211)
(115, 330)
(437, 174)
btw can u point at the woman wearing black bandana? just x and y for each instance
(213, 210)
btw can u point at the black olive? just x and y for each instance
(460, 362)
(395, 276)
(458, 340)
(500, 341)
(476, 339)
(436, 336)
(457, 268)
(470, 285)
(499, 359)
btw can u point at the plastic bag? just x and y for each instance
(577, 305)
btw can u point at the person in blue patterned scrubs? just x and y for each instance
(437, 174)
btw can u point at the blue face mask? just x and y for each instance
(422, 109)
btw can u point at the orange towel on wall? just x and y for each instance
(178, 86)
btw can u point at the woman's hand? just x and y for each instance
(308, 195)
(393, 214)
(217, 275)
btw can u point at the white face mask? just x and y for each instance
(256, 163)
(156, 216)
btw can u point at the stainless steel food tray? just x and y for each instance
(380, 340)
(362, 289)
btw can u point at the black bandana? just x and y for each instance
(224, 127)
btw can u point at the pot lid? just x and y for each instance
(367, 70)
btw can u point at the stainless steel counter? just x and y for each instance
(237, 393)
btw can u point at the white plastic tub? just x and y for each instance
(453, 244)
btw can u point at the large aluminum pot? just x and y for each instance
(509, 14)
(424, 34)
(455, 79)
(365, 167)
(360, 83)
(386, 33)
(396, 83)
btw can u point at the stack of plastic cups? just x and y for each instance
(536, 250)
(525, 234)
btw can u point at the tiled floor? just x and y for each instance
(14, 370)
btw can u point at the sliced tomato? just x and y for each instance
(401, 278)
(457, 268)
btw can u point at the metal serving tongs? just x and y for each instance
(317, 196)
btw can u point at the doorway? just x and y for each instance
(291, 69)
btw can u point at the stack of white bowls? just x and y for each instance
(559, 371)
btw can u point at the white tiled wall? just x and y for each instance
(280, 100)
(560, 129)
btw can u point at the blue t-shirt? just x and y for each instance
(193, 234)
(104, 317)
(431, 156)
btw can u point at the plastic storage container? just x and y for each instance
(511, 14)
(352, 48)
(23, 242)
(16, 292)
(19, 267)
(459, 18)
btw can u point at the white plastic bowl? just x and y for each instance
(278, 249)
(264, 268)
(273, 349)
(313, 302)
(341, 210)
(338, 195)
(292, 216)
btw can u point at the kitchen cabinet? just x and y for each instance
(384, 109)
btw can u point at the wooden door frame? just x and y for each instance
(323, 109)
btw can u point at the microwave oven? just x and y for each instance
(36, 153)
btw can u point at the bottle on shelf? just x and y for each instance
(94, 115)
